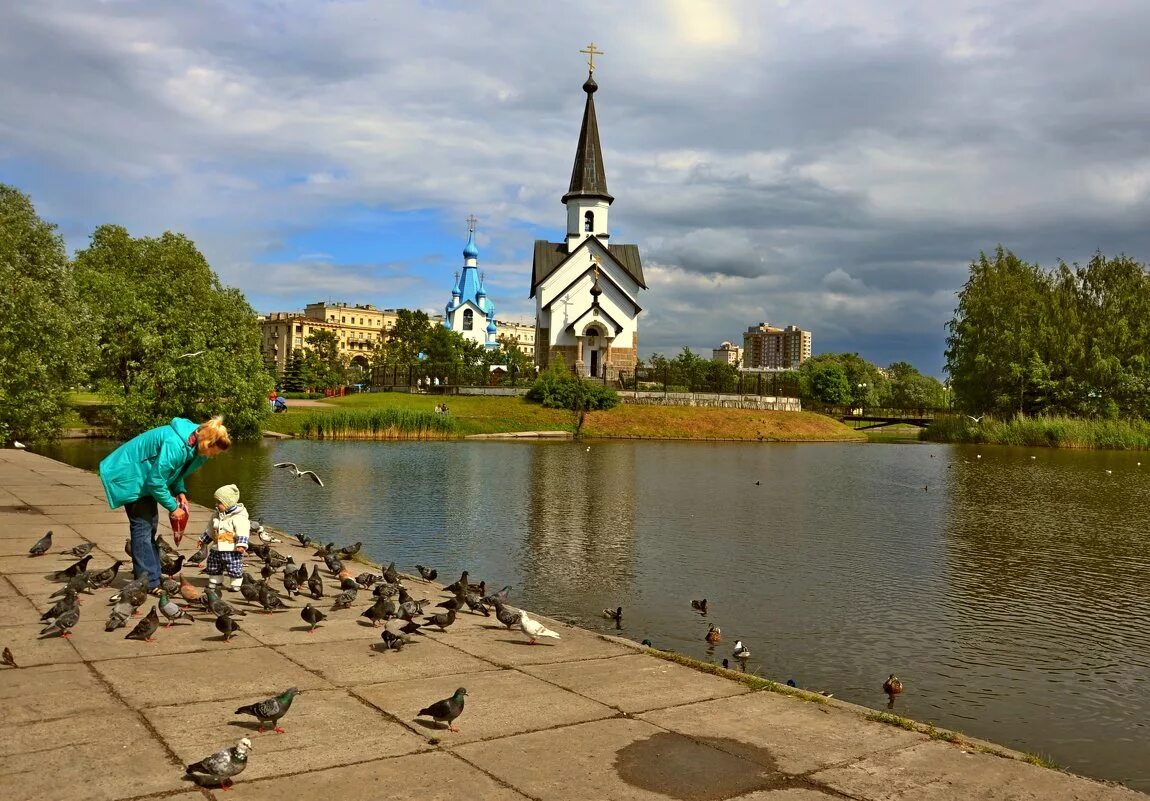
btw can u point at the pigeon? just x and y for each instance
(533, 628)
(42, 545)
(172, 566)
(447, 710)
(500, 596)
(393, 641)
(270, 710)
(401, 627)
(135, 591)
(324, 550)
(409, 609)
(295, 471)
(165, 548)
(190, 592)
(426, 574)
(71, 571)
(118, 617)
(507, 616)
(276, 559)
(67, 619)
(291, 584)
(892, 686)
(701, 606)
(741, 651)
(68, 600)
(345, 599)
(459, 585)
(264, 537)
(304, 539)
(226, 626)
(78, 551)
(170, 586)
(103, 578)
(218, 769)
(366, 579)
(172, 611)
(391, 575)
(351, 550)
(270, 599)
(442, 620)
(218, 606)
(78, 583)
(315, 583)
(301, 575)
(333, 562)
(381, 610)
(312, 617)
(146, 627)
(6, 658)
(198, 556)
(250, 589)
(614, 614)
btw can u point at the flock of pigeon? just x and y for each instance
(392, 607)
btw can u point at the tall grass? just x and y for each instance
(376, 424)
(1042, 431)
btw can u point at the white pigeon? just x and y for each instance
(20, 446)
(741, 651)
(533, 628)
(295, 471)
(267, 539)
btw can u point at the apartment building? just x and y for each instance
(358, 327)
(727, 353)
(766, 347)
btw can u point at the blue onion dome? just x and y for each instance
(470, 251)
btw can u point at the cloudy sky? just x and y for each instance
(833, 164)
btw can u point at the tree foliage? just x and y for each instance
(559, 388)
(322, 366)
(43, 340)
(172, 340)
(1074, 340)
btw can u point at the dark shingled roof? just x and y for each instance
(588, 178)
(549, 255)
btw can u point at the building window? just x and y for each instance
(468, 320)
(589, 222)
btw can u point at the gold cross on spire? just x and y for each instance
(471, 221)
(591, 53)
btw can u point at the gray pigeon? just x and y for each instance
(79, 550)
(71, 571)
(442, 620)
(146, 627)
(226, 626)
(427, 574)
(312, 617)
(315, 583)
(270, 710)
(198, 556)
(391, 575)
(41, 545)
(60, 606)
(172, 611)
(7, 659)
(345, 599)
(381, 610)
(67, 619)
(102, 578)
(270, 599)
(506, 615)
(447, 710)
(218, 769)
(78, 583)
(218, 606)
(119, 615)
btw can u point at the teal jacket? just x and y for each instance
(153, 464)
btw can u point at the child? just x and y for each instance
(228, 534)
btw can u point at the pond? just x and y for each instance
(1005, 586)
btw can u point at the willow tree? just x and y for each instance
(173, 341)
(43, 344)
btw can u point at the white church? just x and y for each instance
(586, 289)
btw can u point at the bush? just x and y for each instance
(557, 388)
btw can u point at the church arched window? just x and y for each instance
(589, 221)
(468, 320)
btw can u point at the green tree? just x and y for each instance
(43, 345)
(910, 389)
(173, 341)
(828, 383)
(323, 367)
(406, 340)
(292, 379)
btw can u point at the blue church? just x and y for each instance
(470, 311)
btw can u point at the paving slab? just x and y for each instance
(323, 729)
(17, 611)
(434, 776)
(636, 683)
(43, 566)
(95, 644)
(943, 772)
(622, 759)
(29, 694)
(353, 662)
(498, 703)
(800, 736)
(90, 756)
(39, 496)
(29, 649)
(494, 643)
(789, 794)
(7, 589)
(63, 537)
(286, 628)
(147, 681)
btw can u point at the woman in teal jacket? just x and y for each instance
(148, 471)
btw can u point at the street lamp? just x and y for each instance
(861, 397)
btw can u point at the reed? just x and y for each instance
(1042, 431)
(387, 423)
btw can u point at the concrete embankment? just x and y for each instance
(95, 716)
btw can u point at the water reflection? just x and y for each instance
(1008, 593)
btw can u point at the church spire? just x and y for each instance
(588, 178)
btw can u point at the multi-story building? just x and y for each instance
(522, 334)
(768, 348)
(727, 353)
(358, 328)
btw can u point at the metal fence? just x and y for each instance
(446, 378)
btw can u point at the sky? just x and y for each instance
(834, 165)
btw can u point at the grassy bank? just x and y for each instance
(357, 416)
(1050, 432)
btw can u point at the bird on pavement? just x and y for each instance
(427, 574)
(533, 628)
(226, 626)
(146, 627)
(172, 611)
(443, 620)
(78, 551)
(295, 471)
(447, 710)
(68, 600)
(312, 617)
(118, 617)
(315, 583)
(104, 578)
(218, 769)
(270, 710)
(71, 571)
(345, 599)
(61, 625)
(6, 658)
(41, 546)
(507, 616)
(190, 592)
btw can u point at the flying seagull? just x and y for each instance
(193, 353)
(977, 419)
(295, 471)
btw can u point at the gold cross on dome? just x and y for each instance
(471, 221)
(591, 53)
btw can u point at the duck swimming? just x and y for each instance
(714, 634)
(892, 686)
(700, 605)
(614, 614)
(741, 651)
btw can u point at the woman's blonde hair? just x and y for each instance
(211, 433)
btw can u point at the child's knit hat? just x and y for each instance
(228, 495)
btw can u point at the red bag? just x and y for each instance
(179, 523)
